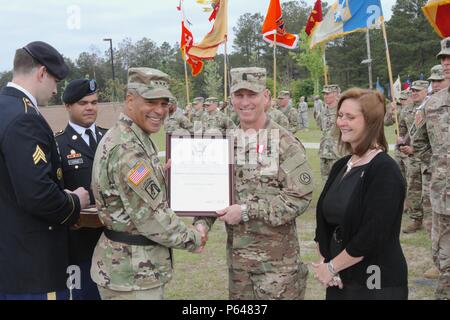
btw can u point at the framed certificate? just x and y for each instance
(201, 175)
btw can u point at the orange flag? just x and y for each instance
(438, 14)
(187, 40)
(314, 18)
(207, 48)
(274, 23)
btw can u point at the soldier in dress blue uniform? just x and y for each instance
(35, 209)
(77, 144)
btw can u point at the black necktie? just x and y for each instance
(92, 142)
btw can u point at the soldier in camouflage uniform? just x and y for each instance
(133, 257)
(214, 120)
(284, 100)
(277, 116)
(328, 149)
(417, 199)
(176, 120)
(400, 157)
(197, 113)
(437, 114)
(318, 108)
(263, 252)
(303, 114)
(438, 82)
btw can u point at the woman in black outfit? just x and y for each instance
(360, 209)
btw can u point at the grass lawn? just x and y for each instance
(204, 276)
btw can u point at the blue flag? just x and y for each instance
(379, 87)
(347, 16)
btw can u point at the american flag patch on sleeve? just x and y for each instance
(138, 174)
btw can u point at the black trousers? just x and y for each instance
(355, 291)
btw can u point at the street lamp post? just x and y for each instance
(112, 65)
(368, 61)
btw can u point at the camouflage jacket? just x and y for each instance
(389, 120)
(303, 107)
(419, 136)
(276, 191)
(438, 124)
(197, 115)
(130, 194)
(278, 117)
(328, 148)
(177, 121)
(292, 115)
(406, 119)
(216, 120)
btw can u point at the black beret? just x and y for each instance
(78, 89)
(49, 57)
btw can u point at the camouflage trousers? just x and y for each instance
(273, 285)
(325, 167)
(149, 294)
(440, 242)
(303, 122)
(418, 201)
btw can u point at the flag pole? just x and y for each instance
(369, 58)
(186, 79)
(391, 80)
(325, 67)
(275, 64)
(225, 73)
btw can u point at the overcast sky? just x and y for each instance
(58, 22)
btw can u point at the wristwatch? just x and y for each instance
(244, 213)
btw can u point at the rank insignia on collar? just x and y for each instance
(39, 155)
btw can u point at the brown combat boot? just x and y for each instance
(413, 227)
(432, 273)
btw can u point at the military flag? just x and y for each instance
(187, 40)
(379, 87)
(314, 18)
(438, 12)
(347, 16)
(274, 26)
(397, 88)
(207, 48)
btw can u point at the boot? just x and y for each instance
(432, 273)
(413, 227)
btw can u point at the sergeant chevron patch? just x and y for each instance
(39, 155)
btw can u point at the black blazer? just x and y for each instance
(77, 159)
(372, 223)
(34, 209)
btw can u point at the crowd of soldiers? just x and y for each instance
(209, 114)
(127, 253)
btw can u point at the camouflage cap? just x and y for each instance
(445, 48)
(198, 100)
(404, 95)
(173, 100)
(253, 79)
(149, 83)
(420, 85)
(331, 88)
(211, 100)
(437, 73)
(284, 94)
